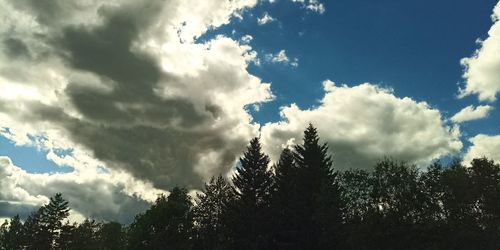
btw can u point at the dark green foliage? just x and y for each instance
(112, 236)
(318, 193)
(284, 203)
(253, 184)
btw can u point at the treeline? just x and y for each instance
(299, 203)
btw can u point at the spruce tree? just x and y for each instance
(253, 183)
(318, 194)
(284, 201)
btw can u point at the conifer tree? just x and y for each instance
(253, 183)
(211, 215)
(319, 194)
(43, 227)
(284, 201)
(12, 234)
(37, 236)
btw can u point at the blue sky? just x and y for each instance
(414, 47)
(165, 93)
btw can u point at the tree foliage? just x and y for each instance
(301, 202)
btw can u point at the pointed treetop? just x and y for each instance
(311, 136)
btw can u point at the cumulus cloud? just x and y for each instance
(121, 82)
(482, 70)
(282, 57)
(483, 146)
(470, 113)
(266, 18)
(364, 123)
(102, 196)
(116, 85)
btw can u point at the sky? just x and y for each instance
(114, 102)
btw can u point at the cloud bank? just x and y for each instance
(122, 81)
(363, 123)
(124, 87)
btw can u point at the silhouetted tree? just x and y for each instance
(319, 195)
(253, 183)
(397, 203)
(211, 215)
(37, 235)
(43, 227)
(485, 176)
(86, 235)
(460, 208)
(12, 234)
(284, 201)
(356, 194)
(166, 225)
(112, 236)
(67, 237)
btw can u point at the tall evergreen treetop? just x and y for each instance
(318, 193)
(253, 178)
(253, 183)
(55, 212)
(313, 155)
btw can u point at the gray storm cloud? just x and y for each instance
(114, 99)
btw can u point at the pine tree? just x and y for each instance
(253, 183)
(211, 215)
(43, 227)
(53, 215)
(37, 234)
(319, 194)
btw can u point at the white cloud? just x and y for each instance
(483, 146)
(118, 83)
(364, 123)
(312, 5)
(282, 57)
(482, 70)
(470, 113)
(102, 196)
(246, 39)
(266, 18)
